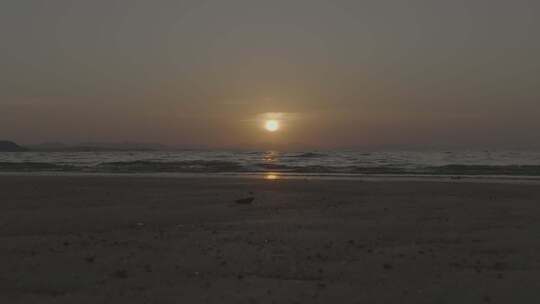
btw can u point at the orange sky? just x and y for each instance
(342, 74)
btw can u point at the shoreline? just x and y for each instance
(510, 179)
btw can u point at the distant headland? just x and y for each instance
(9, 146)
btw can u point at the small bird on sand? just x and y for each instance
(245, 201)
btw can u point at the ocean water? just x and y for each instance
(493, 163)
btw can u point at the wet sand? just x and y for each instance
(186, 240)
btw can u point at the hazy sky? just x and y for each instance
(337, 73)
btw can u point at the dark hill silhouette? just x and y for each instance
(85, 147)
(9, 146)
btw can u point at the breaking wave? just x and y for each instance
(34, 167)
(193, 166)
(309, 155)
(339, 162)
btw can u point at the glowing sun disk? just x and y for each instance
(271, 125)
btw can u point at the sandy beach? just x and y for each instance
(98, 239)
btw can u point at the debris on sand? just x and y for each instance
(120, 274)
(388, 266)
(245, 201)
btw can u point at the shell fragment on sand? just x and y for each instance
(245, 201)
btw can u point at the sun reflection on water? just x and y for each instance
(272, 176)
(271, 156)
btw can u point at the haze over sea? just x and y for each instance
(492, 163)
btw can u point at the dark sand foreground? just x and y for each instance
(185, 240)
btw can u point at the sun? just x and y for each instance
(271, 125)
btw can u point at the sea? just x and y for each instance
(307, 163)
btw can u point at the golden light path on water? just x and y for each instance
(272, 176)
